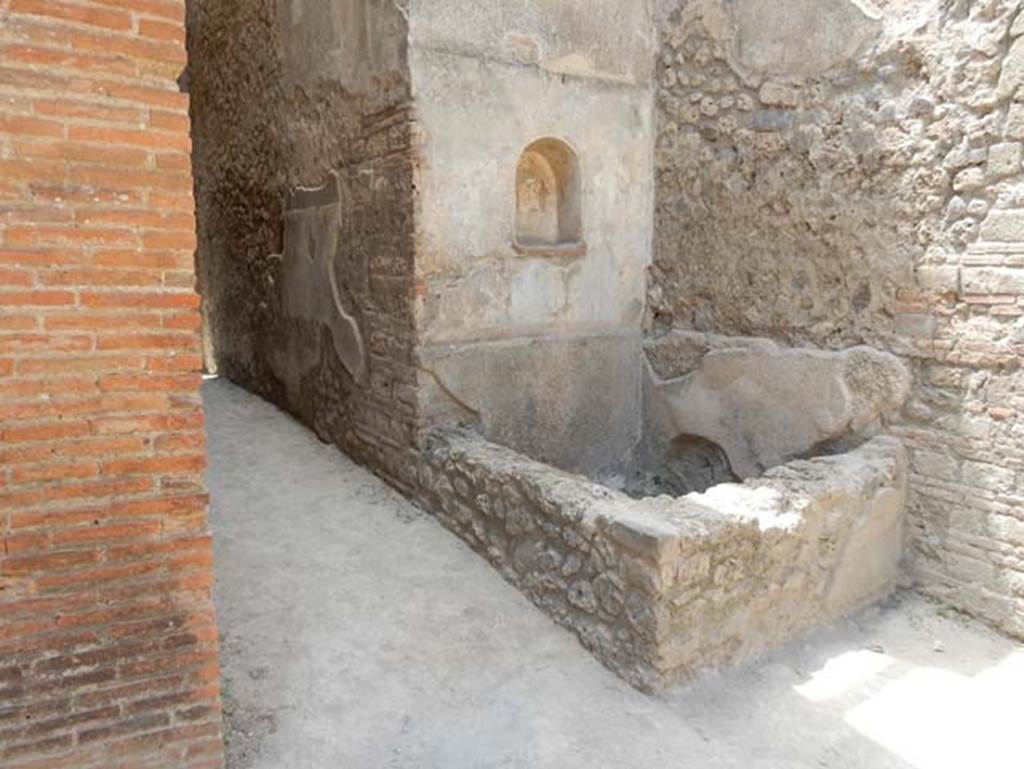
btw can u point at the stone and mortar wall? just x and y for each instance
(108, 640)
(665, 589)
(866, 188)
(304, 148)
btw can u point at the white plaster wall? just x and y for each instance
(478, 108)
(539, 352)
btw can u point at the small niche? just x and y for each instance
(548, 218)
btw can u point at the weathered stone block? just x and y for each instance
(935, 464)
(874, 547)
(798, 38)
(1004, 159)
(1004, 226)
(1010, 530)
(914, 324)
(990, 477)
(779, 95)
(993, 280)
(1015, 119)
(1018, 26)
(969, 179)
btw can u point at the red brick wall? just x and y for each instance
(108, 641)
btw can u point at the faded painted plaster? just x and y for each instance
(486, 88)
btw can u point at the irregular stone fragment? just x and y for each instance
(969, 179)
(1004, 226)
(608, 590)
(993, 280)
(776, 94)
(767, 405)
(581, 595)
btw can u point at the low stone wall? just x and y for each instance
(662, 589)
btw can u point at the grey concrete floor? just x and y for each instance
(359, 633)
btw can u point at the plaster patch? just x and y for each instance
(310, 283)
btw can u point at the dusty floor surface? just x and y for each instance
(357, 633)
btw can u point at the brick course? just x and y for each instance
(108, 640)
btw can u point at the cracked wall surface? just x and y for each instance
(836, 192)
(304, 179)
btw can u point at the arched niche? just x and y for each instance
(548, 216)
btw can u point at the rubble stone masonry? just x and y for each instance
(866, 190)
(108, 640)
